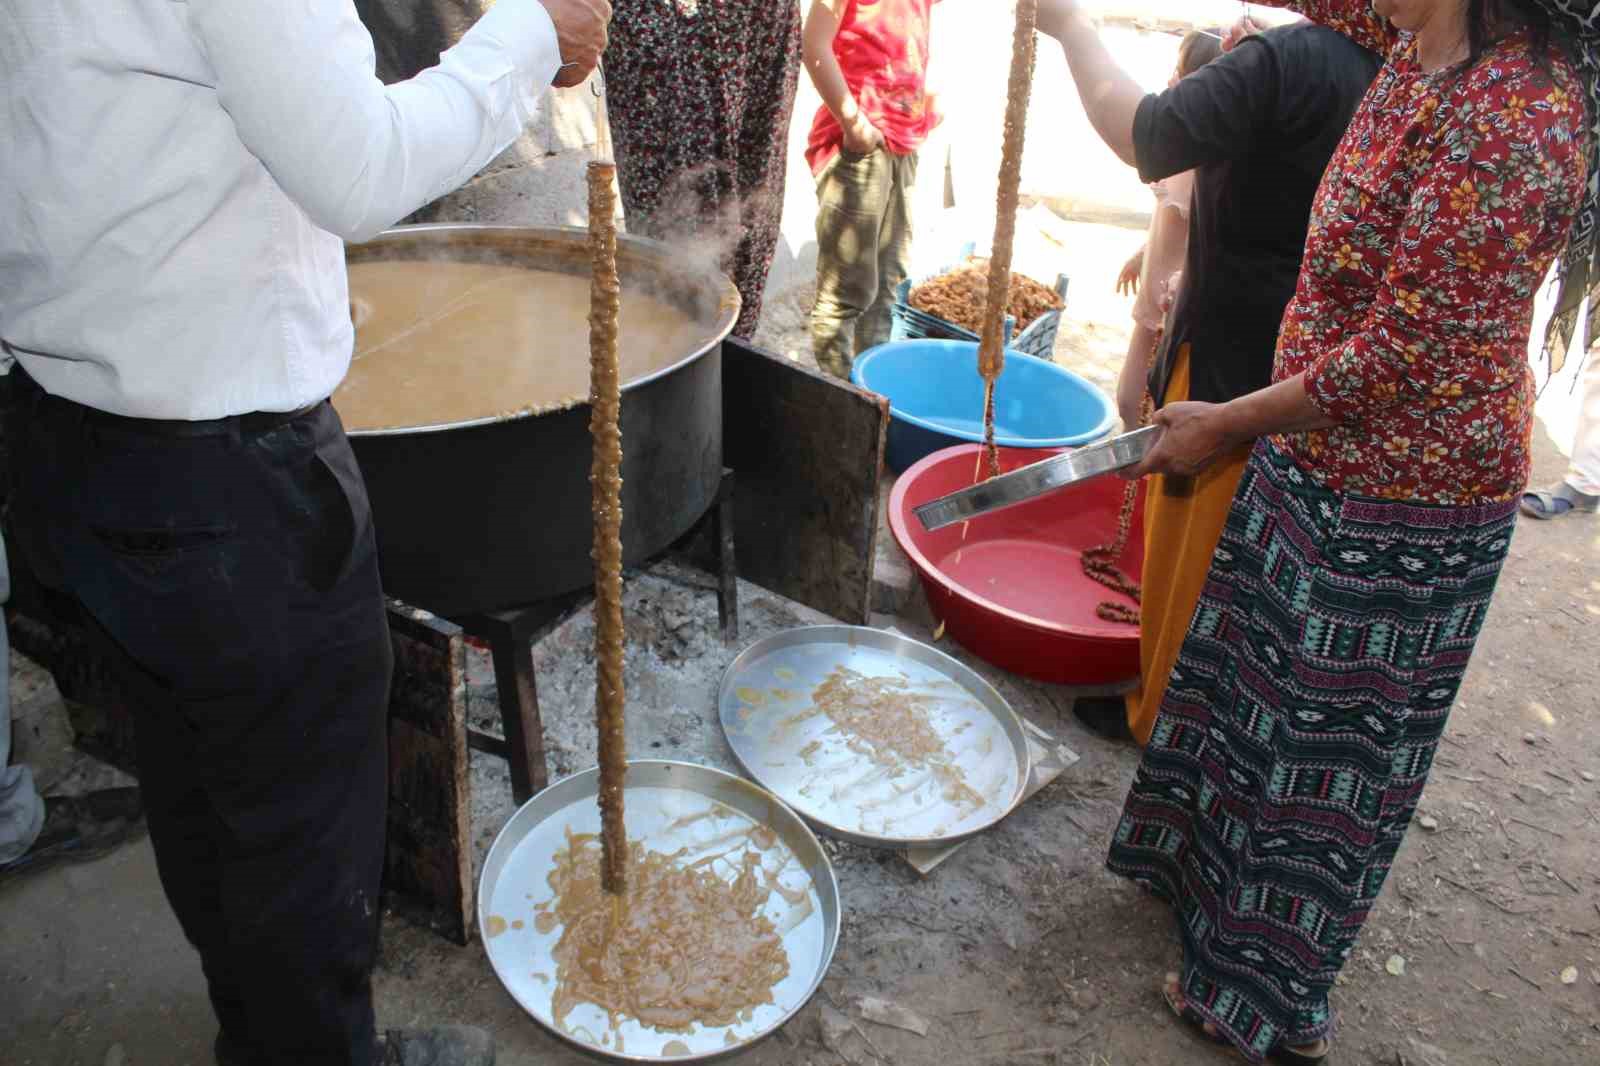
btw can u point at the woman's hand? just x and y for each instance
(1245, 27)
(1128, 280)
(1054, 15)
(1193, 436)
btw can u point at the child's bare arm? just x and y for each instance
(822, 26)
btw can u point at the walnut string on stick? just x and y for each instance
(991, 344)
(1100, 562)
(605, 397)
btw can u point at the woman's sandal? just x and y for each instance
(1555, 502)
(1288, 1056)
(1172, 992)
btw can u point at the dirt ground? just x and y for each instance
(1020, 949)
(1484, 949)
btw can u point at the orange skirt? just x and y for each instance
(1183, 520)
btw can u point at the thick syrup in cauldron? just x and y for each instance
(439, 342)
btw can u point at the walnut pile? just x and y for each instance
(959, 295)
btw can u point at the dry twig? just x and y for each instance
(1523, 977)
(1540, 828)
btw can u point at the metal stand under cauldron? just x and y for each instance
(512, 633)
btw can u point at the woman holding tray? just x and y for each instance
(1367, 533)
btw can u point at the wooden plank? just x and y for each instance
(427, 867)
(806, 450)
(102, 723)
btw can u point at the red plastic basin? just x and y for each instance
(1010, 586)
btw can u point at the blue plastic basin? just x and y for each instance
(936, 399)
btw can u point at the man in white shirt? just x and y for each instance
(175, 184)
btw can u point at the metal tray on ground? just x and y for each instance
(1037, 479)
(666, 806)
(785, 743)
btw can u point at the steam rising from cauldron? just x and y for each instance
(698, 215)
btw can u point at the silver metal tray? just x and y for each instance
(767, 713)
(1037, 479)
(665, 809)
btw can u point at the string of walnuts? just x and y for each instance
(958, 297)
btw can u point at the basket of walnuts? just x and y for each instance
(950, 305)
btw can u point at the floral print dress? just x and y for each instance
(699, 94)
(1436, 222)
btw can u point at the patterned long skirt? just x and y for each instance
(699, 94)
(1296, 735)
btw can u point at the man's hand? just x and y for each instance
(1054, 16)
(1128, 280)
(861, 137)
(581, 33)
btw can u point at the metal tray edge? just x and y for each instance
(991, 697)
(556, 795)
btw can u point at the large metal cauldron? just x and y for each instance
(494, 514)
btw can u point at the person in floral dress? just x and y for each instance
(699, 94)
(1376, 510)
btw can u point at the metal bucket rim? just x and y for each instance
(729, 308)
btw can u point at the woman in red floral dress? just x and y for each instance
(1372, 521)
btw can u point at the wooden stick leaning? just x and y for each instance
(991, 344)
(605, 398)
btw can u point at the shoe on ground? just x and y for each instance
(444, 1045)
(1558, 500)
(80, 828)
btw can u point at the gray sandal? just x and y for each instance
(1555, 502)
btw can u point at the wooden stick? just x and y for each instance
(991, 345)
(606, 482)
(602, 121)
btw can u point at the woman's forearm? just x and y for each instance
(1110, 97)
(1281, 408)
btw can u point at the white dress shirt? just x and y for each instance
(177, 180)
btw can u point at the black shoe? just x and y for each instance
(443, 1045)
(1104, 716)
(78, 828)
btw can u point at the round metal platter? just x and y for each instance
(670, 806)
(784, 742)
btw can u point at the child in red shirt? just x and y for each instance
(868, 59)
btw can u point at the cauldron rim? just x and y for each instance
(728, 307)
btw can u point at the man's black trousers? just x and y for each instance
(229, 569)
